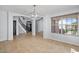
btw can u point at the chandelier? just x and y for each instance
(34, 13)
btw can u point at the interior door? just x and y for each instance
(14, 27)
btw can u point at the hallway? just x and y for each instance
(27, 43)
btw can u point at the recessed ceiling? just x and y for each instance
(41, 9)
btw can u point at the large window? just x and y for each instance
(66, 24)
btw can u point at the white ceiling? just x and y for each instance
(41, 9)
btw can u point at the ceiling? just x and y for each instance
(41, 9)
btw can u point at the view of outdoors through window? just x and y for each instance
(67, 26)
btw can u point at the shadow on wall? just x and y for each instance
(74, 51)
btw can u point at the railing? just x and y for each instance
(22, 24)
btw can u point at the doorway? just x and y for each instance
(29, 26)
(14, 27)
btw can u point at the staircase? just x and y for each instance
(22, 25)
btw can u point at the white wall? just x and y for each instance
(39, 25)
(46, 27)
(3, 26)
(47, 34)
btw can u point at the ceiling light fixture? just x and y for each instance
(34, 13)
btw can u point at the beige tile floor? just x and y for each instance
(28, 43)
